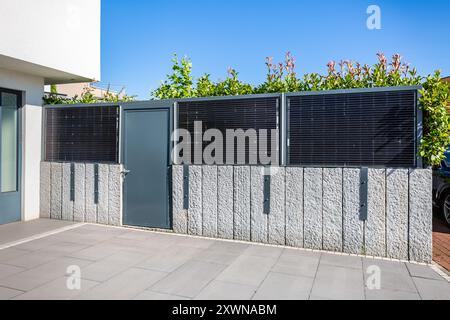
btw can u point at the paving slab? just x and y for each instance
(56, 290)
(12, 232)
(340, 260)
(8, 293)
(432, 289)
(35, 277)
(125, 285)
(222, 290)
(248, 270)
(121, 263)
(189, 279)
(279, 286)
(297, 263)
(151, 295)
(423, 271)
(383, 294)
(333, 282)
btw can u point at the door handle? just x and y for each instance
(124, 172)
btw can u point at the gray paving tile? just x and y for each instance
(169, 259)
(97, 228)
(12, 253)
(395, 281)
(297, 263)
(34, 259)
(32, 278)
(139, 245)
(7, 293)
(80, 238)
(135, 235)
(200, 243)
(248, 270)
(125, 285)
(189, 279)
(422, 271)
(333, 282)
(229, 247)
(341, 260)
(384, 294)
(7, 270)
(63, 247)
(279, 286)
(20, 230)
(36, 244)
(393, 275)
(215, 255)
(385, 265)
(220, 290)
(151, 295)
(263, 251)
(147, 239)
(96, 252)
(112, 265)
(56, 290)
(313, 297)
(433, 289)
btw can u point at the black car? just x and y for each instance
(441, 189)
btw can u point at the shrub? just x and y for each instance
(436, 124)
(281, 77)
(87, 97)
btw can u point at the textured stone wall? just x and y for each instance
(56, 201)
(317, 208)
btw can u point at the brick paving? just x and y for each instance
(441, 243)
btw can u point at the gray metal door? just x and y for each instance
(9, 156)
(146, 162)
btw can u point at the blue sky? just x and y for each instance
(139, 37)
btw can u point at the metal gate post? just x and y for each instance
(363, 189)
(283, 130)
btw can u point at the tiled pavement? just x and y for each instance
(441, 243)
(120, 263)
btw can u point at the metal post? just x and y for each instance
(185, 187)
(363, 189)
(283, 130)
(419, 130)
(266, 193)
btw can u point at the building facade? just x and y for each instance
(28, 62)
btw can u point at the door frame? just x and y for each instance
(20, 104)
(167, 106)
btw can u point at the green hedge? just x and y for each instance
(281, 77)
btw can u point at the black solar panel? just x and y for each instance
(247, 113)
(353, 129)
(82, 134)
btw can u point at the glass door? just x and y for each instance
(10, 102)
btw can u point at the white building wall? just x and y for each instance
(33, 88)
(59, 34)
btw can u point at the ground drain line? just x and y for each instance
(40, 236)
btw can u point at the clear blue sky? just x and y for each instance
(140, 36)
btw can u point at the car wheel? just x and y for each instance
(446, 208)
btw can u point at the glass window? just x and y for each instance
(8, 142)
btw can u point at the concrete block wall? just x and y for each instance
(56, 201)
(316, 208)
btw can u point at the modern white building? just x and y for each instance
(42, 42)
